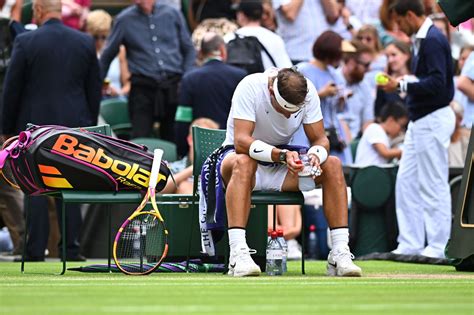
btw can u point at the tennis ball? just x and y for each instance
(381, 79)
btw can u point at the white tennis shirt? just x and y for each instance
(251, 101)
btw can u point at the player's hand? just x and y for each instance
(293, 162)
(316, 169)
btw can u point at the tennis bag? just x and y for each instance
(49, 158)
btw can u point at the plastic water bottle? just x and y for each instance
(269, 235)
(312, 242)
(274, 256)
(284, 246)
(304, 158)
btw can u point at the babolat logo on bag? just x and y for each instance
(53, 157)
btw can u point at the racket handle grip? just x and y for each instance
(155, 168)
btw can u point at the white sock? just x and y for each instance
(340, 238)
(236, 237)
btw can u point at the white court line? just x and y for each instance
(237, 282)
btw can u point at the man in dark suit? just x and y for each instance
(53, 78)
(208, 90)
(423, 197)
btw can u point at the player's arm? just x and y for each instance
(318, 152)
(245, 143)
(258, 150)
(316, 134)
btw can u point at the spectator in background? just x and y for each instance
(74, 13)
(207, 91)
(327, 51)
(369, 36)
(375, 147)
(221, 27)
(159, 52)
(117, 81)
(459, 96)
(11, 9)
(11, 208)
(388, 28)
(366, 11)
(399, 59)
(268, 19)
(249, 15)
(301, 22)
(359, 110)
(47, 86)
(11, 213)
(423, 198)
(182, 170)
(199, 11)
(465, 85)
(441, 22)
(457, 150)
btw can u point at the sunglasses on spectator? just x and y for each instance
(100, 37)
(364, 38)
(366, 65)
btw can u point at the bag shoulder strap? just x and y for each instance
(261, 46)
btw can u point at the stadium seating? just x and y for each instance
(168, 147)
(205, 142)
(115, 113)
(373, 223)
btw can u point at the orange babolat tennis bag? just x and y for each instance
(49, 158)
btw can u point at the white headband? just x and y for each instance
(281, 101)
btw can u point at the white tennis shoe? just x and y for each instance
(340, 264)
(241, 264)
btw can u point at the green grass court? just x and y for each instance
(386, 288)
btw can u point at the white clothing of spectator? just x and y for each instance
(465, 84)
(366, 11)
(301, 22)
(249, 14)
(375, 144)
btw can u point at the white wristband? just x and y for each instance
(320, 152)
(261, 151)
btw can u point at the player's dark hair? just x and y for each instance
(292, 85)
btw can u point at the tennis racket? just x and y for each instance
(141, 242)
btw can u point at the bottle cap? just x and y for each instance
(280, 232)
(274, 234)
(312, 227)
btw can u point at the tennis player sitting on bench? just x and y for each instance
(267, 109)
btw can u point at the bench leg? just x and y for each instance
(303, 238)
(109, 239)
(63, 237)
(193, 210)
(25, 236)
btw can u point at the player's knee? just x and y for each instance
(333, 168)
(244, 166)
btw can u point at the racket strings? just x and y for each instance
(141, 244)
